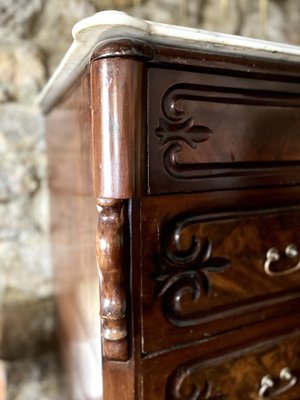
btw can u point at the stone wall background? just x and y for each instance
(34, 35)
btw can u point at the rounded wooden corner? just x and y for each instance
(136, 49)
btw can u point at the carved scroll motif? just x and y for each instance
(110, 259)
(179, 389)
(185, 271)
(178, 127)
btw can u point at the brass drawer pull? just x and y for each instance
(273, 255)
(269, 388)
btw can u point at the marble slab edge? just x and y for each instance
(104, 25)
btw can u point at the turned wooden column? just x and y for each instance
(118, 88)
(110, 259)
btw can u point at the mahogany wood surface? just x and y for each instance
(184, 167)
(111, 260)
(233, 364)
(203, 265)
(73, 228)
(117, 124)
(211, 131)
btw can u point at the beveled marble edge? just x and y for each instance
(103, 25)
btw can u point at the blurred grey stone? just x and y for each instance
(22, 71)
(17, 17)
(25, 266)
(291, 21)
(270, 29)
(21, 128)
(115, 4)
(27, 326)
(38, 378)
(22, 151)
(214, 18)
(26, 275)
(54, 26)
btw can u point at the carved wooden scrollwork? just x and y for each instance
(110, 259)
(182, 386)
(185, 271)
(177, 126)
(178, 389)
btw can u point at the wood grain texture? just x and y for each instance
(117, 101)
(242, 62)
(233, 363)
(132, 48)
(118, 91)
(187, 263)
(237, 376)
(73, 229)
(111, 263)
(187, 311)
(210, 131)
(203, 269)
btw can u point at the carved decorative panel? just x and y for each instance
(185, 271)
(186, 260)
(204, 134)
(239, 375)
(205, 272)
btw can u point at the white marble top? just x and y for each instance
(88, 32)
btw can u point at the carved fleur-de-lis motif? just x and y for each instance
(186, 272)
(175, 129)
(185, 131)
(195, 267)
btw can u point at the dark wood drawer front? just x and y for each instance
(262, 371)
(210, 131)
(205, 272)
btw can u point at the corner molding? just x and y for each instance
(123, 47)
(118, 97)
(117, 168)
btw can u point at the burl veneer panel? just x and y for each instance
(203, 263)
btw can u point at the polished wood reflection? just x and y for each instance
(184, 164)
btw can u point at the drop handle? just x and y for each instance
(270, 387)
(273, 255)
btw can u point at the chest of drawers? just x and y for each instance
(184, 145)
